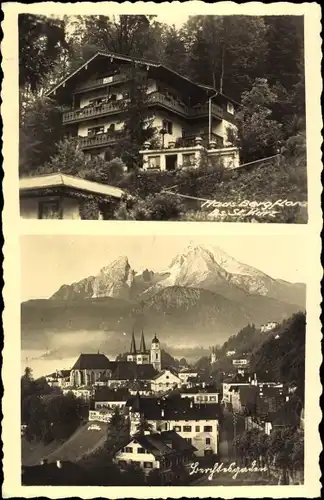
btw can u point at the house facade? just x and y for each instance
(156, 450)
(197, 423)
(165, 381)
(190, 119)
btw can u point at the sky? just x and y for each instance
(47, 262)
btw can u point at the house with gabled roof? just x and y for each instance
(191, 119)
(156, 450)
(60, 196)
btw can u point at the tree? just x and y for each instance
(284, 39)
(39, 133)
(258, 134)
(125, 34)
(40, 41)
(137, 121)
(143, 426)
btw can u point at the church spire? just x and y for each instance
(142, 346)
(133, 344)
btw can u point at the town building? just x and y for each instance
(187, 374)
(197, 423)
(166, 380)
(144, 356)
(128, 372)
(191, 120)
(230, 352)
(89, 368)
(271, 325)
(59, 196)
(156, 450)
(105, 401)
(60, 378)
(201, 395)
(84, 392)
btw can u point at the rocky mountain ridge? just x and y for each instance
(208, 268)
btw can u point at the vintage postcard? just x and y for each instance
(164, 116)
(148, 355)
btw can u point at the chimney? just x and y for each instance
(59, 464)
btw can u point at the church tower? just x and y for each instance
(131, 356)
(156, 354)
(143, 355)
(213, 356)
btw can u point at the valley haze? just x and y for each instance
(204, 293)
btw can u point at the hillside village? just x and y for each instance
(141, 130)
(114, 412)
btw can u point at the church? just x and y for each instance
(144, 356)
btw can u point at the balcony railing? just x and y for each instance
(103, 109)
(97, 140)
(190, 141)
(203, 110)
(93, 111)
(101, 82)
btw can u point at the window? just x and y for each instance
(111, 127)
(213, 398)
(156, 356)
(188, 440)
(188, 159)
(167, 126)
(207, 440)
(167, 377)
(197, 428)
(148, 465)
(230, 108)
(177, 428)
(122, 463)
(208, 428)
(140, 450)
(128, 449)
(154, 162)
(107, 79)
(49, 209)
(96, 130)
(113, 97)
(187, 428)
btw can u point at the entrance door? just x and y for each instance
(171, 162)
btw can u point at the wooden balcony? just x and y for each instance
(89, 112)
(154, 99)
(98, 140)
(101, 82)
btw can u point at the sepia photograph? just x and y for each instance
(162, 117)
(162, 360)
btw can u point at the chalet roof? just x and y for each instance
(163, 444)
(152, 65)
(153, 408)
(55, 180)
(92, 362)
(107, 394)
